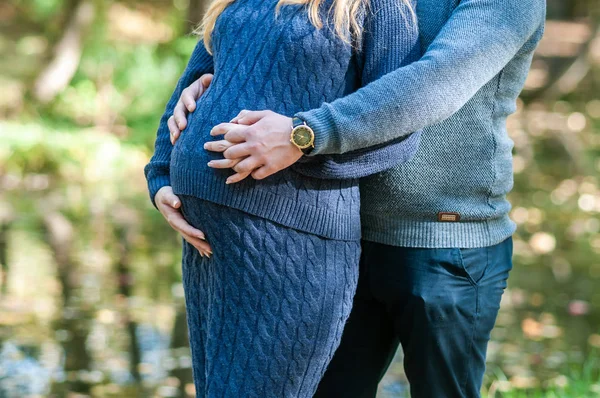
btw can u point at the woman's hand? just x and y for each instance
(259, 151)
(187, 104)
(169, 204)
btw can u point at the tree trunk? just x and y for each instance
(125, 281)
(67, 53)
(60, 235)
(6, 219)
(179, 344)
(4, 228)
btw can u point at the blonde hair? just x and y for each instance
(346, 17)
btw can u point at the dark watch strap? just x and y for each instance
(308, 150)
(296, 121)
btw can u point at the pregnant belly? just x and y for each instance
(209, 113)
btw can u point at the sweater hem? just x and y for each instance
(429, 234)
(261, 203)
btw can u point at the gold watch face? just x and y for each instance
(303, 136)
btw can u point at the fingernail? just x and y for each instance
(175, 203)
(210, 164)
(227, 182)
(206, 145)
(201, 236)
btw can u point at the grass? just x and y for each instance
(576, 381)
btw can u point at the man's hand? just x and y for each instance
(255, 143)
(187, 104)
(169, 204)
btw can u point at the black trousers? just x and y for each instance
(440, 304)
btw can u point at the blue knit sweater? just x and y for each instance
(285, 64)
(478, 53)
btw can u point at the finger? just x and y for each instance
(262, 173)
(229, 128)
(224, 163)
(177, 222)
(173, 129)
(180, 115)
(190, 94)
(218, 146)
(237, 177)
(238, 151)
(206, 80)
(188, 98)
(239, 115)
(248, 165)
(171, 200)
(202, 246)
(249, 117)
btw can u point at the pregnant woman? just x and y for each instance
(270, 266)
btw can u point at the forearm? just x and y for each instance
(157, 170)
(390, 41)
(476, 43)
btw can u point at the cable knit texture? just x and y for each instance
(285, 64)
(267, 310)
(477, 55)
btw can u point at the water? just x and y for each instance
(123, 331)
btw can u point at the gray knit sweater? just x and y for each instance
(477, 58)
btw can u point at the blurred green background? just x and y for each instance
(91, 301)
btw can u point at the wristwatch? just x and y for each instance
(302, 136)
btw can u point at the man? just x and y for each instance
(437, 237)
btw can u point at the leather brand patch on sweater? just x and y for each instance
(448, 217)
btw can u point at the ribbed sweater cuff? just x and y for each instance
(155, 184)
(431, 234)
(323, 124)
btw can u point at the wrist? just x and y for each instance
(326, 136)
(302, 136)
(156, 183)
